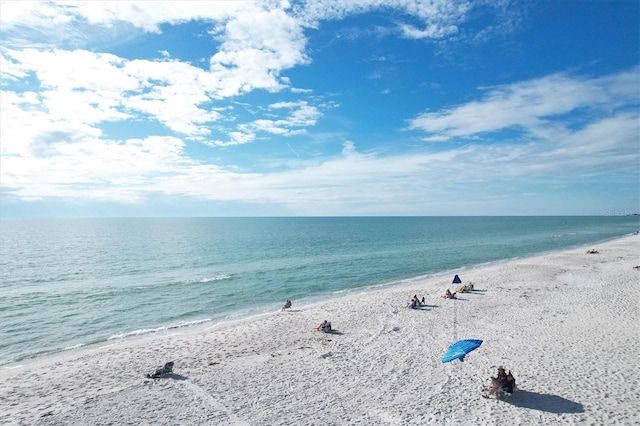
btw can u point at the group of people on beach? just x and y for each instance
(415, 302)
(465, 288)
(503, 383)
(324, 326)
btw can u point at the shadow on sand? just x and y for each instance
(175, 376)
(544, 402)
(421, 307)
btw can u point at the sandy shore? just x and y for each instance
(565, 323)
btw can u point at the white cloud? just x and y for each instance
(431, 31)
(11, 70)
(530, 106)
(128, 172)
(146, 15)
(300, 116)
(255, 48)
(440, 17)
(88, 87)
(93, 169)
(27, 128)
(257, 39)
(79, 69)
(235, 138)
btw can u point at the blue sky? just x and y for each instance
(319, 108)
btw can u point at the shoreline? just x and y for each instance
(202, 324)
(198, 325)
(565, 322)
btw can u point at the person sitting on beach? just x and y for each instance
(502, 383)
(286, 305)
(502, 375)
(496, 384)
(510, 384)
(592, 251)
(416, 302)
(493, 388)
(412, 304)
(324, 326)
(449, 295)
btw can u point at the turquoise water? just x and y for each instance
(65, 283)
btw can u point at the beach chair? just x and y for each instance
(161, 371)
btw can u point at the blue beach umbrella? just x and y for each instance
(459, 349)
(457, 280)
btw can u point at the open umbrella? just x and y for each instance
(457, 280)
(459, 349)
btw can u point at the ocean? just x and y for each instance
(71, 283)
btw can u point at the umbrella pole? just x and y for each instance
(455, 319)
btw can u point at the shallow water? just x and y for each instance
(69, 282)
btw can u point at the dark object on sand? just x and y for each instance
(161, 371)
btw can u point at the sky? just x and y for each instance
(319, 108)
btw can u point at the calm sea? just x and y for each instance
(65, 283)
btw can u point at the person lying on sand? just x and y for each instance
(465, 288)
(324, 326)
(592, 251)
(286, 305)
(448, 295)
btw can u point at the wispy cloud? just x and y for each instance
(534, 107)
(439, 17)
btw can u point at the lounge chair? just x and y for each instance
(161, 371)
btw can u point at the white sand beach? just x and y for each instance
(566, 324)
